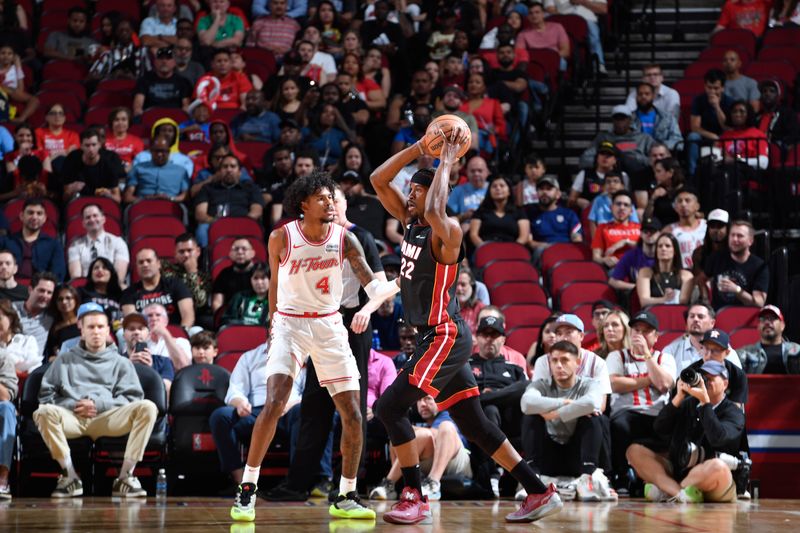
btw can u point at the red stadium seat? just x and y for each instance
(735, 38)
(130, 10)
(70, 86)
(790, 54)
(240, 338)
(151, 226)
(779, 69)
(61, 69)
(527, 315)
(164, 247)
(154, 206)
(568, 271)
(500, 250)
(522, 338)
(666, 337)
(226, 115)
(254, 150)
(563, 251)
(228, 360)
(550, 61)
(109, 207)
(219, 265)
(497, 272)
(744, 337)
(61, 5)
(98, 114)
(689, 87)
(698, 69)
(260, 62)
(518, 292)
(77, 283)
(785, 36)
(75, 228)
(584, 312)
(578, 31)
(716, 53)
(579, 292)
(234, 227)
(220, 249)
(54, 19)
(670, 316)
(734, 317)
(117, 85)
(152, 115)
(68, 100)
(110, 98)
(177, 331)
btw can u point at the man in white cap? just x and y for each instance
(773, 354)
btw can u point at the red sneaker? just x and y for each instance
(537, 506)
(410, 509)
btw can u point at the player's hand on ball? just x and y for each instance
(360, 322)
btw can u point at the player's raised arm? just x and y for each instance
(381, 179)
(444, 227)
(376, 289)
(277, 251)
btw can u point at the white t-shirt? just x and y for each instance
(649, 400)
(689, 240)
(12, 77)
(325, 61)
(566, 7)
(592, 366)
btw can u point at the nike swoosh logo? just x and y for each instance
(297, 246)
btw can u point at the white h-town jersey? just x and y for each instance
(310, 276)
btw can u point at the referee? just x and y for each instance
(316, 407)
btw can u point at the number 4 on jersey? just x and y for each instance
(322, 286)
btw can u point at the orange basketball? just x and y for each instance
(445, 124)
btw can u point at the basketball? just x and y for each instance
(445, 123)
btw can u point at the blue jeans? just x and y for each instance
(230, 430)
(595, 44)
(8, 432)
(693, 141)
(201, 233)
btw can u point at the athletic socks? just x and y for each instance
(412, 477)
(68, 468)
(346, 486)
(250, 474)
(527, 478)
(127, 467)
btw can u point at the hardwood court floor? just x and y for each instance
(211, 515)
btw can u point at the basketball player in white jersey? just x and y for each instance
(304, 299)
(690, 229)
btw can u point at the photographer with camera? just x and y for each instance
(716, 347)
(706, 429)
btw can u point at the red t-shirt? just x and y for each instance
(750, 16)
(126, 148)
(751, 142)
(607, 235)
(366, 86)
(232, 87)
(52, 143)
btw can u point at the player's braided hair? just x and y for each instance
(302, 188)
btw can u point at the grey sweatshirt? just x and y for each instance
(543, 396)
(105, 377)
(8, 375)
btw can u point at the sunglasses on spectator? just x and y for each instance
(164, 53)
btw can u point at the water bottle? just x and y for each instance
(161, 484)
(376, 340)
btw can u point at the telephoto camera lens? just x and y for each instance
(691, 377)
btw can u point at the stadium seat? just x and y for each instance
(698, 69)
(222, 247)
(164, 247)
(98, 114)
(195, 393)
(13, 208)
(260, 62)
(666, 337)
(578, 292)
(578, 31)
(110, 98)
(518, 292)
(550, 61)
(563, 251)
(129, 10)
(61, 69)
(73, 87)
(157, 225)
(527, 315)
(734, 317)
(228, 360)
(155, 206)
(791, 54)
(234, 226)
(489, 251)
(109, 207)
(254, 150)
(584, 312)
(736, 38)
(75, 229)
(61, 5)
(154, 114)
(565, 272)
(226, 116)
(498, 271)
(716, 53)
(522, 338)
(240, 338)
(785, 36)
(742, 337)
(670, 316)
(111, 84)
(780, 69)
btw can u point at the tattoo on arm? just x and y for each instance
(354, 253)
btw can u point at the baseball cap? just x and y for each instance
(652, 223)
(349, 175)
(570, 320)
(719, 215)
(645, 317)
(718, 337)
(90, 307)
(547, 180)
(606, 147)
(602, 304)
(493, 323)
(453, 89)
(715, 368)
(771, 309)
(290, 123)
(621, 110)
(133, 318)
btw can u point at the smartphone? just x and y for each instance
(140, 347)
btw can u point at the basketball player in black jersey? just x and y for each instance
(431, 251)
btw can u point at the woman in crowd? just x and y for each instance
(375, 70)
(497, 218)
(251, 307)
(547, 338)
(288, 102)
(103, 288)
(667, 282)
(742, 141)
(329, 134)
(351, 43)
(487, 111)
(120, 141)
(56, 140)
(355, 159)
(22, 349)
(65, 325)
(669, 181)
(468, 299)
(25, 145)
(369, 91)
(330, 27)
(614, 334)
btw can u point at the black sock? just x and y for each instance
(527, 478)
(412, 477)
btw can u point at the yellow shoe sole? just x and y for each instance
(243, 516)
(360, 514)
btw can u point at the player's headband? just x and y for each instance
(423, 177)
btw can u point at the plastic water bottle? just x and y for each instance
(376, 340)
(161, 484)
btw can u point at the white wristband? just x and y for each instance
(381, 290)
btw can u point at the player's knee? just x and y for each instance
(383, 409)
(351, 415)
(634, 453)
(716, 468)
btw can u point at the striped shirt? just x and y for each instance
(274, 34)
(648, 400)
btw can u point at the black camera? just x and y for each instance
(691, 377)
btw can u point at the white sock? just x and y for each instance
(250, 474)
(127, 468)
(346, 485)
(66, 464)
